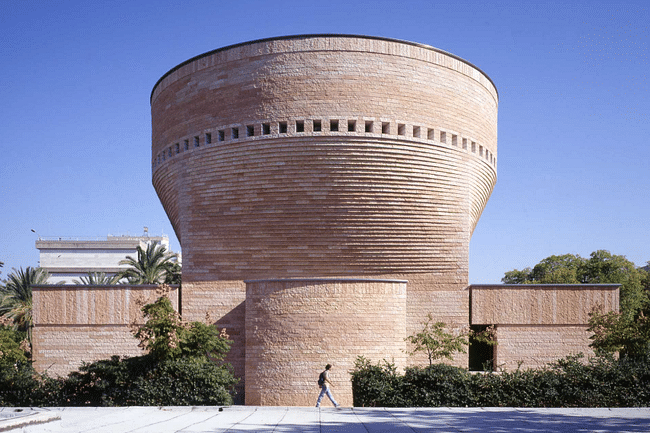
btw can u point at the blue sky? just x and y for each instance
(574, 112)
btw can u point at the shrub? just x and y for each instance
(145, 381)
(570, 382)
(376, 385)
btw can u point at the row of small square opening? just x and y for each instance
(334, 125)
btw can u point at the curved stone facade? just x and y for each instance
(295, 327)
(324, 156)
(385, 165)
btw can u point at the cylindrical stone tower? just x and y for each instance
(324, 156)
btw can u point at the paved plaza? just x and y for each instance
(323, 420)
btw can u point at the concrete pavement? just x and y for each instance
(323, 420)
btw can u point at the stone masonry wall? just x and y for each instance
(324, 156)
(75, 324)
(538, 324)
(295, 327)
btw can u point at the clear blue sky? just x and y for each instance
(574, 112)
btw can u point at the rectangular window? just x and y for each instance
(385, 128)
(443, 137)
(178, 148)
(480, 150)
(266, 128)
(250, 130)
(196, 141)
(352, 125)
(416, 131)
(187, 144)
(454, 140)
(317, 126)
(221, 135)
(334, 125)
(465, 143)
(235, 133)
(208, 138)
(300, 126)
(368, 125)
(401, 129)
(282, 127)
(170, 152)
(431, 134)
(473, 147)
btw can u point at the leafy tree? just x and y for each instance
(16, 296)
(436, 342)
(153, 266)
(626, 332)
(97, 279)
(166, 336)
(601, 267)
(616, 332)
(12, 349)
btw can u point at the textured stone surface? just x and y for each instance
(75, 324)
(538, 324)
(295, 327)
(324, 156)
(562, 304)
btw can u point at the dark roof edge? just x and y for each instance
(313, 35)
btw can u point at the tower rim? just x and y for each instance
(319, 35)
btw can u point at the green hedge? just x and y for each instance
(137, 381)
(570, 382)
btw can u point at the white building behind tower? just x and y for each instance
(69, 259)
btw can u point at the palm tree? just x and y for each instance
(16, 296)
(97, 279)
(153, 266)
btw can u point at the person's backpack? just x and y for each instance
(321, 379)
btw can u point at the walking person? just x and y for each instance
(324, 383)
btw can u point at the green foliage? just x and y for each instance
(16, 296)
(166, 336)
(97, 279)
(616, 332)
(12, 346)
(376, 383)
(436, 342)
(570, 382)
(145, 381)
(601, 267)
(152, 266)
(183, 367)
(21, 386)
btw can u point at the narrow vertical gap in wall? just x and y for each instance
(481, 354)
